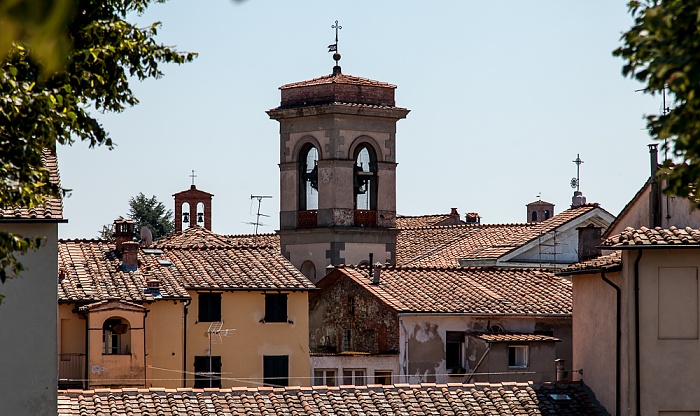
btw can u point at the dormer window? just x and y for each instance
(308, 174)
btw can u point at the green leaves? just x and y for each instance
(151, 213)
(662, 50)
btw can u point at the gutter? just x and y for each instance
(34, 220)
(618, 346)
(491, 315)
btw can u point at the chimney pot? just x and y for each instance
(153, 283)
(454, 213)
(130, 251)
(376, 276)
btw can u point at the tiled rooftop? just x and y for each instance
(52, 208)
(338, 79)
(195, 258)
(608, 262)
(407, 221)
(497, 337)
(401, 399)
(655, 237)
(470, 290)
(443, 246)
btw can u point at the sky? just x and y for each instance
(503, 96)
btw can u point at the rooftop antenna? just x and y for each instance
(665, 111)
(258, 215)
(193, 176)
(333, 47)
(215, 333)
(576, 182)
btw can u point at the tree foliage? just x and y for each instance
(662, 50)
(151, 213)
(39, 108)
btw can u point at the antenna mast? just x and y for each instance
(258, 215)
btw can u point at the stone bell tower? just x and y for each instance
(337, 171)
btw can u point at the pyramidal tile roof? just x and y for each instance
(338, 79)
(52, 208)
(408, 221)
(498, 399)
(464, 290)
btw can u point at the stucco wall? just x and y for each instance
(242, 351)
(422, 341)
(494, 366)
(164, 344)
(369, 363)
(29, 328)
(373, 325)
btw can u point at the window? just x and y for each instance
(517, 356)
(209, 307)
(454, 352)
(276, 307)
(354, 377)
(324, 377)
(365, 178)
(351, 305)
(534, 216)
(346, 340)
(308, 174)
(116, 338)
(276, 370)
(207, 371)
(309, 270)
(546, 214)
(382, 377)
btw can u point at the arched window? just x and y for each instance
(186, 220)
(308, 175)
(200, 214)
(365, 178)
(309, 270)
(534, 216)
(546, 214)
(116, 337)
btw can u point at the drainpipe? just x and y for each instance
(145, 364)
(87, 350)
(618, 346)
(637, 361)
(478, 364)
(184, 340)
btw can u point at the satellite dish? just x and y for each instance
(146, 236)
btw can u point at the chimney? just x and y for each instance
(454, 213)
(578, 199)
(376, 276)
(588, 242)
(472, 218)
(655, 195)
(123, 232)
(153, 284)
(130, 252)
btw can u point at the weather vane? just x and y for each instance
(576, 182)
(333, 47)
(193, 176)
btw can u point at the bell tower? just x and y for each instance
(192, 207)
(337, 171)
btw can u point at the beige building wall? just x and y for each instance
(243, 350)
(165, 344)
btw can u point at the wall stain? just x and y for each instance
(426, 351)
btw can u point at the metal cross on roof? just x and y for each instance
(193, 176)
(576, 182)
(334, 46)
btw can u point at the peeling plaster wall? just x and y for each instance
(373, 325)
(422, 338)
(369, 363)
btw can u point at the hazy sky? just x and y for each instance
(503, 96)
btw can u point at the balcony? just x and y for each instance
(71, 370)
(365, 218)
(307, 218)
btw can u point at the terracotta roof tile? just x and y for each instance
(407, 221)
(470, 290)
(338, 79)
(608, 262)
(501, 337)
(654, 237)
(52, 208)
(426, 399)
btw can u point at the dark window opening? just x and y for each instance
(365, 178)
(207, 371)
(534, 216)
(276, 307)
(351, 306)
(382, 377)
(116, 336)
(517, 356)
(346, 345)
(454, 352)
(546, 214)
(308, 174)
(209, 307)
(276, 370)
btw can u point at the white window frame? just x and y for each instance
(325, 374)
(522, 356)
(354, 376)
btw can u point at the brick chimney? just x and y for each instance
(123, 232)
(130, 253)
(472, 218)
(588, 242)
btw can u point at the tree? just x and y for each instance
(151, 213)
(39, 108)
(662, 50)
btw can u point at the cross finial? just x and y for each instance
(193, 176)
(334, 48)
(576, 182)
(337, 27)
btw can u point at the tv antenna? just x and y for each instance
(257, 222)
(215, 334)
